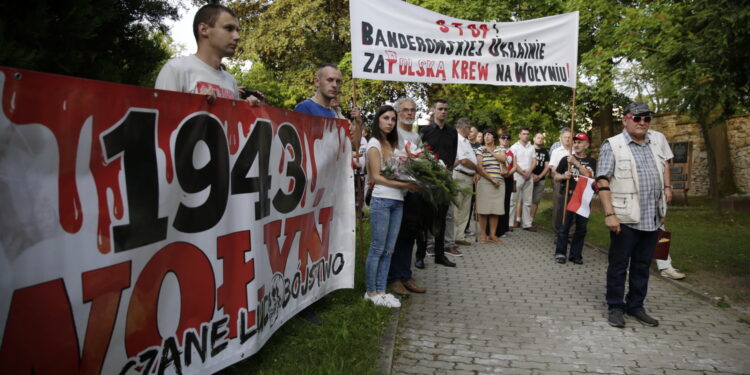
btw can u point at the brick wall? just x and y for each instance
(738, 130)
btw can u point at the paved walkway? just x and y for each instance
(511, 309)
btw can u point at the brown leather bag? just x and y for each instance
(664, 239)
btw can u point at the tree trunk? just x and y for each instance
(723, 159)
(605, 120)
(713, 191)
(720, 173)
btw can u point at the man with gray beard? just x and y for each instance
(415, 210)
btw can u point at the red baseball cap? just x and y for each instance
(582, 137)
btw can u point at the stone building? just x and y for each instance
(678, 129)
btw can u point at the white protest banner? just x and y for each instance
(396, 41)
(148, 231)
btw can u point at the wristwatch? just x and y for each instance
(609, 214)
(667, 186)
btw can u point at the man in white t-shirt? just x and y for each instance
(566, 141)
(665, 266)
(217, 34)
(525, 154)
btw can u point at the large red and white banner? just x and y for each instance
(393, 40)
(147, 231)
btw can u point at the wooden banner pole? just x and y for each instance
(360, 215)
(572, 134)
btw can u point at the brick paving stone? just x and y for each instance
(644, 371)
(510, 305)
(474, 368)
(437, 364)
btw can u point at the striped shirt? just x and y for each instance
(489, 163)
(650, 186)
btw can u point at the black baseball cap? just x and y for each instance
(637, 108)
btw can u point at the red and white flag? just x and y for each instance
(580, 202)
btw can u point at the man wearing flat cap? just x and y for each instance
(630, 177)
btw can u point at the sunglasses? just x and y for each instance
(505, 137)
(646, 119)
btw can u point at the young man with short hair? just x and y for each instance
(539, 173)
(327, 83)
(525, 164)
(443, 139)
(217, 34)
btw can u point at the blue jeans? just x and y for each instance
(385, 220)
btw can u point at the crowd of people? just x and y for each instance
(508, 181)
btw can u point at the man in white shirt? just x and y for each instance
(216, 32)
(463, 173)
(525, 154)
(665, 266)
(566, 141)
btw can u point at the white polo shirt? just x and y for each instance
(556, 156)
(525, 155)
(465, 151)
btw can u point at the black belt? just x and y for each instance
(463, 173)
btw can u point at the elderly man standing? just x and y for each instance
(412, 228)
(525, 162)
(463, 173)
(632, 192)
(557, 154)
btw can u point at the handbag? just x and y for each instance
(664, 239)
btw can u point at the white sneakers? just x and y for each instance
(672, 273)
(391, 299)
(385, 299)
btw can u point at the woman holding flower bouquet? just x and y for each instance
(490, 186)
(386, 206)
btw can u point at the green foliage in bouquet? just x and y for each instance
(425, 169)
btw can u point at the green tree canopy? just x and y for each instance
(120, 41)
(699, 53)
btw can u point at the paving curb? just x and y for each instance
(702, 294)
(388, 343)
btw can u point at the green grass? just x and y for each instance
(713, 249)
(346, 343)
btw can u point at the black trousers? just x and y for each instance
(503, 226)
(581, 225)
(630, 251)
(439, 232)
(411, 231)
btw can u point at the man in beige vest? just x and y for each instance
(630, 176)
